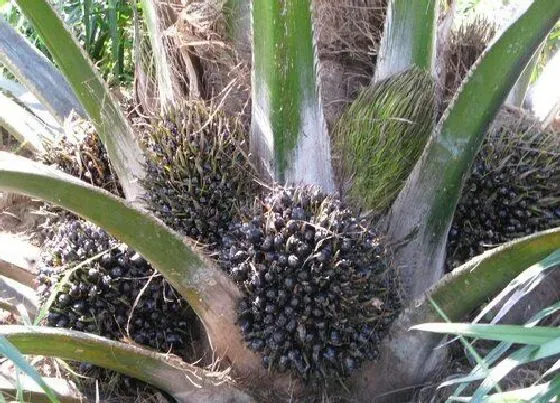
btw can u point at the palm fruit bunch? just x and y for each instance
(319, 294)
(108, 289)
(381, 135)
(513, 189)
(198, 174)
(80, 153)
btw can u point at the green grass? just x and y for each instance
(519, 344)
(104, 29)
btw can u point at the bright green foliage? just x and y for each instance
(508, 333)
(540, 343)
(480, 371)
(382, 134)
(102, 27)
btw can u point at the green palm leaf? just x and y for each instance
(288, 131)
(164, 371)
(424, 209)
(410, 38)
(91, 91)
(209, 292)
(538, 335)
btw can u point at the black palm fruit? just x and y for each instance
(513, 189)
(115, 293)
(198, 175)
(318, 291)
(73, 240)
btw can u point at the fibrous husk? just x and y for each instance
(202, 29)
(349, 29)
(164, 72)
(381, 135)
(466, 44)
(80, 153)
(319, 294)
(198, 176)
(513, 189)
(348, 33)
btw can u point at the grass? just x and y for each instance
(520, 345)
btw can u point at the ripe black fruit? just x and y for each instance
(512, 191)
(312, 271)
(96, 297)
(86, 159)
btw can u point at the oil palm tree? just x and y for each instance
(290, 143)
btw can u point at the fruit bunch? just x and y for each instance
(81, 154)
(513, 190)
(198, 175)
(318, 291)
(111, 291)
(73, 240)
